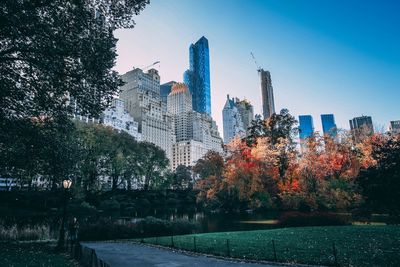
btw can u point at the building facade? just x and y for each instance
(118, 118)
(395, 127)
(187, 153)
(196, 133)
(329, 127)
(197, 77)
(267, 94)
(246, 111)
(361, 127)
(306, 126)
(179, 103)
(141, 93)
(165, 89)
(232, 120)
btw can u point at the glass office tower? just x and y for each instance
(197, 77)
(329, 125)
(306, 126)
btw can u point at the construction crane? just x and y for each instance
(151, 65)
(255, 61)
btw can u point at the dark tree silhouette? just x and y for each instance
(380, 184)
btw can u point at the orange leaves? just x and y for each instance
(324, 173)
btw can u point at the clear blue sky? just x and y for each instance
(340, 57)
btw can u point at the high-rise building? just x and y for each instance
(179, 103)
(141, 93)
(306, 126)
(197, 77)
(328, 125)
(395, 127)
(267, 93)
(118, 118)
(232, 120)
(246, 111)
(361, 127)
(165, 89)
(306, 130)
(196, 133)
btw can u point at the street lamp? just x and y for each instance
(61, 239)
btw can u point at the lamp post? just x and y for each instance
(61, 239)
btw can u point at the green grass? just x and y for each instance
(355, 245)
(32, 254)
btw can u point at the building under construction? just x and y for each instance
(267, 94)
(267, 91)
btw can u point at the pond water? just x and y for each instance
(218, 222)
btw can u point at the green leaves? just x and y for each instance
(51, 51)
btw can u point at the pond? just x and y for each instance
(220, 222)
(217, 222)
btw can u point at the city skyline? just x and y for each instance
(344, 75)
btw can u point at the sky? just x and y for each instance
(340, 57)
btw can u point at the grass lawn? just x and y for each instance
(32, 254)
(354, 245)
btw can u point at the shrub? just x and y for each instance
(82, 209)
(182, 227)
(14, 233)
(295, 219)
(150, 226)
(109, 205)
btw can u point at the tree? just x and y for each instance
(39, 148)
(96, 147)
(278, 126)
(153, 164)
(211, 164)
(55, 50)
(380, 183)
(182, 178)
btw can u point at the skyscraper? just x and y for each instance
(141, 94)
(197, 77)
(361, 127)
(165, 89)
(329, 125)
(395, 127)
(267, 94)
(196, 133)
(246, 111)
(306, 126)
(179, 104)
(232, 120)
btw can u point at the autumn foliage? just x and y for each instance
(267, 170)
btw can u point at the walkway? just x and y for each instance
(127, 254)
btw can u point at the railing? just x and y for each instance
(260, 250)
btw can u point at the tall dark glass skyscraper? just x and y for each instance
(197, 77)
(306, 126)
(329, 125)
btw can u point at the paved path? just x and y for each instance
(126, 255)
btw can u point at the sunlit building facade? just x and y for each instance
(196, 133)
(117, 117)
(232, 120)
(141, 93)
